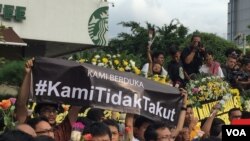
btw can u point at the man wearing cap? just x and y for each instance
(48, 110)
(62, 131)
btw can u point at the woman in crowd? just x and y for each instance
(211, 66)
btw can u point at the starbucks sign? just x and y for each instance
(98, 26)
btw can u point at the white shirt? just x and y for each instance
(134, 139)
(205, 69)
(145, 70)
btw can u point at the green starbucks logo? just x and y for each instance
(98, 26)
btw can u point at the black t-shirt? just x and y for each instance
(175, 72)
(195, 64)
(227, 72)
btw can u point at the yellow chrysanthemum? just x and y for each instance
(93, 60)
(60, 117)
(125, 63)
(202, 98)
(82, 60)
(202, 88)
(156, 78)
(234, 92)
(121, 69)
(210, 85)
(116, 62)
(162, 80)
(107, 113)
(105, 60)
(206, 94)
(137, 71)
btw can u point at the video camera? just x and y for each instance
(200, 45)
(240, 75)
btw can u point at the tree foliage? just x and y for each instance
(170, 34)
(12, 72)
(133, 43)
(136, 41)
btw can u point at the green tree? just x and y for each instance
(12, 72)
(136, 41)
(133, 43)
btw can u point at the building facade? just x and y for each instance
(238, 20)
(56, 27)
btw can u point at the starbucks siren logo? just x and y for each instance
(98, 26)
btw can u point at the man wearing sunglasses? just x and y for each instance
(48, 110)
(234, 113)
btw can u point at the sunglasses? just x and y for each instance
(237, 116)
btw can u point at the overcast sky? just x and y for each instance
(203, 15)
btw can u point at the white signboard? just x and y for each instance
(70, 21)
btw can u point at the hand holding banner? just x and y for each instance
(69, 82)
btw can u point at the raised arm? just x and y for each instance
(22, 98)
(129, 125)
(208, 123)
(190, 57)
(182, 114)
(150, 61)
(73, 113)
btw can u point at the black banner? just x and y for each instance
(72, 83)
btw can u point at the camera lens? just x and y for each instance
(200, 45)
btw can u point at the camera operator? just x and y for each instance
(193, 56)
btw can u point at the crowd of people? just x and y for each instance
(194, 60)
(184, 66)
